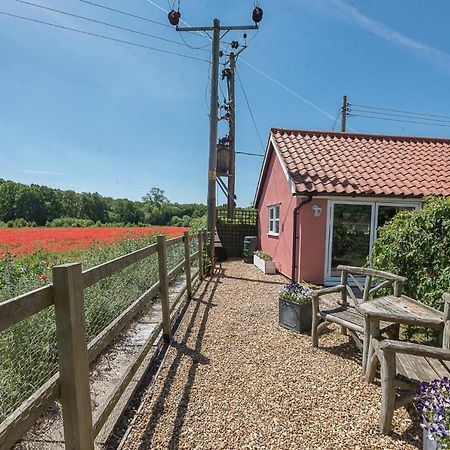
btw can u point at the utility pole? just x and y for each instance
(344, 113)
(232, 135)
(213, 115)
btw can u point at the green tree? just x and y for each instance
(155, 197)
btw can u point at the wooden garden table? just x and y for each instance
(399, 310)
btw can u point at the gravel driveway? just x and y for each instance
(233, 379)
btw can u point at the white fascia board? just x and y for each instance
(272, 142)
(382, 199)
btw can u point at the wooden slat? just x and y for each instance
(174, 241)
(440, 369)
(102, 340)
(23, 418)
(355, 280)
(97, 273)
(105, 410)
(24, 306)
(382, 285)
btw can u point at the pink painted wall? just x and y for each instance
(275, 189)
(312, 242)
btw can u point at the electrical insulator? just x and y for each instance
(234, 44)
(257, 14)
(174, 17)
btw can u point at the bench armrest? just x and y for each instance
(411, 348)
(328, 290)
(365, 271)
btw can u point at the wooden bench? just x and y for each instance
(341, 308)
(404, 365)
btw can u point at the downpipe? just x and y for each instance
(295, 236)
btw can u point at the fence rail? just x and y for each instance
(71, 383)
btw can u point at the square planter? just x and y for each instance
(294, 316)
(267, 267)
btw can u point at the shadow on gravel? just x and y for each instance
(255, 280)
(183, 350)
(347, 350)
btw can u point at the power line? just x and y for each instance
(401, 111)
(401, 115)
(102, 23)
(101, 36)
(125, 13)
(199, 33)
(400, 120)
(250, 154)
(250, 110)
(337, 117)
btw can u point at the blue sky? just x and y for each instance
(82, 113)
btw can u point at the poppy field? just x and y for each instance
(24, 241)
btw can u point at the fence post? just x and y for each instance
(164, 286)
(73, 356)
(200, 255)
(187, 264)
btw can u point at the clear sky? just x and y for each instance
(83, 113)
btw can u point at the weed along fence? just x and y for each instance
(232, 231)
(69, 309)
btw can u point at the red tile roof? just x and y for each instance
(325, 162)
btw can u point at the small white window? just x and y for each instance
(274, 219)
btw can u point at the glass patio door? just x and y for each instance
(352, 231)
(350, 235)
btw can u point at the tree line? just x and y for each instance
(41, 205)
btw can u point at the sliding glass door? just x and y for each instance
(350, 235)
(352, 229)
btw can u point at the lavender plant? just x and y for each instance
(434, 405)
(296, 292)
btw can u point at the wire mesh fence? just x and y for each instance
(28, 350)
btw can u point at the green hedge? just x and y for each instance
(416, 244)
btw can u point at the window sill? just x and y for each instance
(273, 234)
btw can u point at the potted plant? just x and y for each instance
(434, 405)
(294, 307)
(263, 262)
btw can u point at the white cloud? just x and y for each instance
(352, 14)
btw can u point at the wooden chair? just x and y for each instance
(404, 365)
(341, 309)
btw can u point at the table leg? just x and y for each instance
(366, 341)
(374, 332)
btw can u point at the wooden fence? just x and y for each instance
(71, 384)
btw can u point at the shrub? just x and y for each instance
(263, 255)
(416, 244)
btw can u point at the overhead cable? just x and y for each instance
(101, 36)
(101, 22)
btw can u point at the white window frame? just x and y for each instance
(274, 220)
(331, 280)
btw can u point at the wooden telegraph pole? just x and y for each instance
(344, 113)
(213, 118)
(232, 135)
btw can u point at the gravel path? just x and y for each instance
(233, 379)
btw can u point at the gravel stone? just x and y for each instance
(234, 379)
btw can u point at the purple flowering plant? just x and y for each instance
(434, 405)
(296, 292)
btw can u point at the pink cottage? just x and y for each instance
(322, 195)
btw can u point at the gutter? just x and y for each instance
(295, 236)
